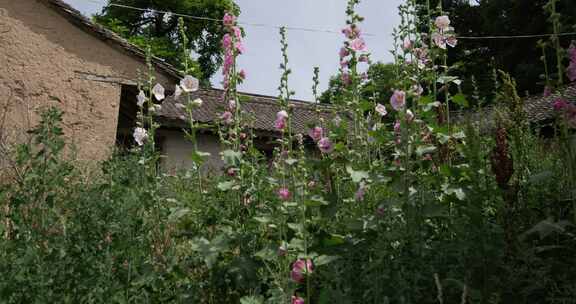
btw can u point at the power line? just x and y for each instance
(315, 30)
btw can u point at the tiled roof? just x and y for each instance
(260, 111)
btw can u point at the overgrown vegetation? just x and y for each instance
(397, 204)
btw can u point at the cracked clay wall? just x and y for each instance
(43, 58)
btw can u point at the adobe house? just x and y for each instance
(52, 55)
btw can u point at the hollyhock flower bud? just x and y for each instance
(363, 58)
(346, 78)
(283, 194)
(231, 172)
(316, 133)
(337, 121)
(189, 84)
(140, 136)
(240, 47)
(344, 64)
(243, 136)
(242, 74)
(381, 109)
(398, 100)
(229, 20)
(358, 45)
(409, 116)
(282, 251)
(325, 145)
(197, 102)
(231, 104)
(407, 44)
(344, 52)
(227, 118)
(158, 92)
(442, 22)
(300, 269)
(141, 98)
(397, 127)
(297, 300)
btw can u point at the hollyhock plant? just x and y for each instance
(158, 92)
(300, 269)
(297, 300)
(283, 194)
(140, 136)
(189, 84)
(325, 145)
(398, 100)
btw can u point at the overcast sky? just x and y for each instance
(306, 49)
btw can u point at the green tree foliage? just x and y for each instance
(521, 57)
(378, 87)
(160, 30)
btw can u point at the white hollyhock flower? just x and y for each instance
(197, 102)
(141, 98)
(177, 92)
(158, 92)
(140, 136)
(282, 114)
(381, 109)
(189, 84)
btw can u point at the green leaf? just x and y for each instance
(252, 300)
(316, 201)
(357, 176)
(460, 99)
(178, 214)
(231, 158)
(325, 259)
(199, 157)
(333, 240)
(420, 151)
(267, 254)
(225, 186)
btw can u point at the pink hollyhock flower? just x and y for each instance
(227, 41)
(442, 22)
(572, 51)
(240, 47)
(398, 100)
(300, 269)
(381, 109)
(325, 145)
(316, 133)
(397, 127)
(297, 300)
(227, 117)
(283, 194)
(237, 32)
(451, 41)
(280, 123)
(358, 44)
(359, 195)
(344, 64)
(229, 20)
(407, 44)
(158, 92)
(346, 78)
(344, 52)
(560, 104)
(547, 91)
(571, 71)
(282, 114)
(231, 104)
(351, 32)
(140, 136)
